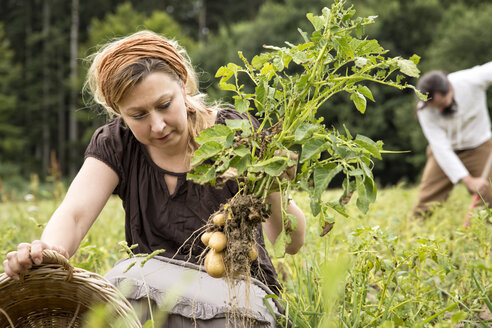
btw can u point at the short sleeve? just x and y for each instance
(106, 145)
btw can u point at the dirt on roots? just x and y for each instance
(243, 214)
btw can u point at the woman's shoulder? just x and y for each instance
(110, 140)
(115, 131)
(113, 127)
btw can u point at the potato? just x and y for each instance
(219, 219)
(214, 264)
(206, 237)
(253, 253)
(218, 241)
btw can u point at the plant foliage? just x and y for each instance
(290, 84)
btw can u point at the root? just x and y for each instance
(242, 216)
(241, 229)
(239, 221)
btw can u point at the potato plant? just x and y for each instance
(283, 88)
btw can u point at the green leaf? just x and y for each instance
(234, 68)
(260, 92)
(326, 13)
(241, 105)
(347, 132)
(408, 67)
(286, 59)
(268, 71)
(236, 125)
(302, 81)
(323, 176)
(348, 187)
(240, 125)
(365, 91)
(458, 317)
(259, 60)
(219, 133)
(148, 324)
(304, 131)
(227, 86)
(338, 208)
(315, 206)
(241, 151)
(224, 72)
(369, 145)
(366, 190)
(299, 57)
(360, 61)
(359, 101)
(304, 35)
(343, 47)
(348, 15)
(278, 64)
(273, 166)
(203, 173)
(367, 47)
(241, 163)
(317, 21)
(224, 165)
(366, 169)
(280, 244)
(206, 151)
(312, 149)
(340, 148)
(356, 172)
(359, 30)
(415, 58)
(420, 95)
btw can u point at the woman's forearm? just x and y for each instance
(81, 206)
(63, 231)
(274, 225)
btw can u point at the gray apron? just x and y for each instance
(181, 294)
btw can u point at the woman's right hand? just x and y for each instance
(20, 261)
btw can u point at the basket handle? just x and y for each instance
(53, 257)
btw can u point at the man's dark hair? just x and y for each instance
(435, 82)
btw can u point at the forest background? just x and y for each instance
(46, 121)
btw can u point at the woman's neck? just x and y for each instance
(169, 161)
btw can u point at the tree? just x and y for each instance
(11, 141)
(462, 39)
(126, 20)
(275, 23)
(74, 49)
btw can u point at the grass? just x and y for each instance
(387, 269)
(382, 269)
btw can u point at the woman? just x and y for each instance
(143, 156)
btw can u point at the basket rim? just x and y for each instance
(81, 286)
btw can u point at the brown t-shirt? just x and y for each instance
(155, 219)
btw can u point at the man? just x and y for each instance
(456, 123)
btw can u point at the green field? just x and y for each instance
(383, 269)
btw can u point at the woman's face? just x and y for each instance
(155, 112)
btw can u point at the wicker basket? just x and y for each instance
(55, 294)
